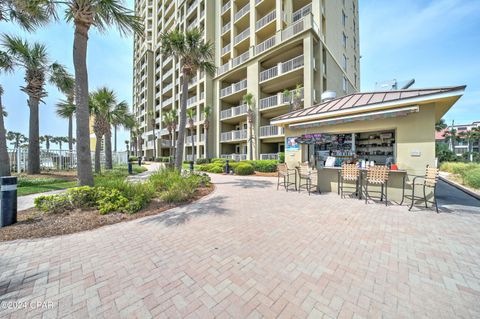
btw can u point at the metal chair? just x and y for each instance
(377, 175)
(429, 180)
(305, 174)
(284, 172)
(349, 172)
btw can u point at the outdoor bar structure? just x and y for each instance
(393, 128)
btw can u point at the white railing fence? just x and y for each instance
(57, 159)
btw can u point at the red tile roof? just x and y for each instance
(363, 99)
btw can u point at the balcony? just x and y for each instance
(235, 157)
(190, 139)
(240, 59)
(269, 17)
(223, 68)
(278, 99)
(271, 131)
(226, 7)
(192, 7)
(269, 156)
(234, 111)
(282, 68)
(236, 135)
(243, 11)
(226, 49)
(234, 88)
(167, 102)
(167, 88)
(265, 45)
(245, 34)
(297, 15)
(227, 27)
(191, 101)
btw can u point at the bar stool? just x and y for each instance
(285, 173)
(305, 174)
(377, 175)
(429, 180)
(349, 172)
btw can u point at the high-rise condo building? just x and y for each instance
(264, 47)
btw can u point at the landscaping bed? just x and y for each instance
(247, 167)
(465, 174)
(33, 223)
(110, 201)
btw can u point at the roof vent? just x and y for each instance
(328, 96)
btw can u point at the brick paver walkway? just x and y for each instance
(248, 250)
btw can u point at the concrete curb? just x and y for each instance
(460, 187)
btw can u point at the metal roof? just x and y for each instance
(356, 100)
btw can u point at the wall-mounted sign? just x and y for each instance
(292, 144)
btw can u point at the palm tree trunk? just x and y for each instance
(182, 119)
(115, 138)
(205, 146)
(108, 150)
(193, 147)
(84, 158)
(139, 145)
(98, 151)
(70, 133)
(4, 159)
(154, 144)
(33, 138)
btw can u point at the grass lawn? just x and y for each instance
(38, 184)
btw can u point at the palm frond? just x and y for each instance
(108, 13)
(6, 62)
(65, 109)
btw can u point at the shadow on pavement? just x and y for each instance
(248, 183)
(181, 215)
(453, 200)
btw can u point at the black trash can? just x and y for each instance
(8, 207)
(139, 161)
(130, 170)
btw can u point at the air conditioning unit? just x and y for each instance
(314, 65)
(328, 96)
(315, 100)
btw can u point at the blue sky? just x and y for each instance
(436, 42)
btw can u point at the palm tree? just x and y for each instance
(440, 125)
(451, 137)
(28, 14)
(47, 139)
(170, 122)
(249, 100)
(191, 124)
(194, 54)
(295, 98)
(85, 14)
(6, 65)
(206, 124)
(34, 60)
(107, 111)
(16, 139)
(469, 137)
(66, 109)
(151, 119)
(59, 140)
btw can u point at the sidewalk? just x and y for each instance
(27, 201)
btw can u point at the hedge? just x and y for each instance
(244, 169)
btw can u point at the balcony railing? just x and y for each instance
(167, 88)
(226, 7)
(235, 157)
(224, 68)
(233, 135)
(240, 13)
(226, 49)
(269, 156)
(294, 29)
(192, 100)
(167, 102)
(190, 139)
(233, 88)
(234, 111)
(227, 27)
(282, 68)
(300, 13)
(265, 45)
(269, 17)
(277, 99)
(241, 58)
(271, 130)
(242, 36)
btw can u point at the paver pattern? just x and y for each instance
(250, 251)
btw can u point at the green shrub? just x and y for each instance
(53, 203)
(133, 158)
(111, 200)
(31, 181)
(265, 166)
(165, 159)
(202, 161)
(281, 157)
(244, 169)
(472, 179)
(83, 196)
(218, 160)
(216, 169)
(174, 188)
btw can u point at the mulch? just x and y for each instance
(32, 223)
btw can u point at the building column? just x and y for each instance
(308, 71)
(253, 87)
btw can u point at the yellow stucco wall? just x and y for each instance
(414, 133)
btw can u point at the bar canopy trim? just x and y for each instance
(358, 117)
(361, 103)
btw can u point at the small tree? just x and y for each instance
(294, 98)
(191, 125)
(206, 125)
(249, 100)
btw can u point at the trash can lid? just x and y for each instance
(8, 180)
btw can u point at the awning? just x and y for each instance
(358, 117)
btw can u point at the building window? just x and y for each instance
(344, 40)
(355, 62)
(355, 79)
(345, 85)
(345, 62)
(344, 18)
